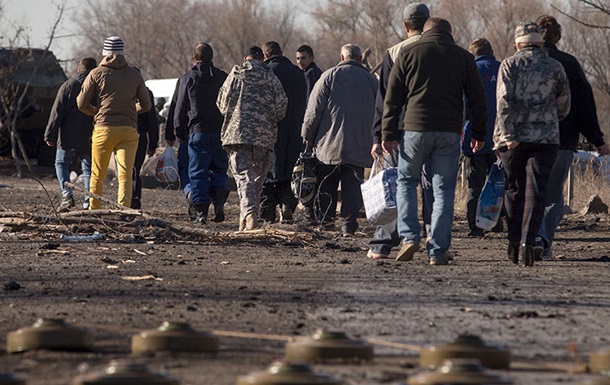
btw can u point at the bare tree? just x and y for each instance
(160, 35)
(19, 68)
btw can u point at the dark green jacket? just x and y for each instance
(431, 77)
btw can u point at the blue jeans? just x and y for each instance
(208, 164)
(555, 203)
(63, 159)
(183, 168)
(440, 151)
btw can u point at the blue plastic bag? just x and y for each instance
(491, 199)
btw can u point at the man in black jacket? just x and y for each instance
(198, 121)
(429, 80)
(70, 130)
(148, 128)
(582, 119)
(289, 144)
(305, 61)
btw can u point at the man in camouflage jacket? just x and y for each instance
(532, 96)
(252, 101)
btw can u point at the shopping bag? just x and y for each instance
(489, 206)
(167, 166)
(379, 194)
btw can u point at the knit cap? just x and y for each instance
(113, 45)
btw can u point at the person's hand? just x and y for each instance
(476, 145)
(49, 143)
(512, 144)
(170, 142)
(389, 146)
(376, 151)
(603, 150)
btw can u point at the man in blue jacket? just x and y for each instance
(198, 121)
(477, 165)
(582, 119)
(276, 190)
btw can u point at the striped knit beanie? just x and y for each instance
(113, 45)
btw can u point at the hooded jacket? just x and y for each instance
(120, 91)
(252, 101)
(196, 110)
(67, 126)
(431, 77)
(340, 114)
(289, 143)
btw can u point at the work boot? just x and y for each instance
(513, 252)
(528, 255)
(219, 197)
(201, 212)
(251, 222)
(286, 214)
(65, 204)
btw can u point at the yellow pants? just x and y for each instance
(123, 142)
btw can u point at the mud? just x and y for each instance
(290, 288)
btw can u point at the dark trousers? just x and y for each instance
(183, 168)
(477, 168)
(136, 196)
(208, 164)
(527, 171)
(274, 194)
(325, 205)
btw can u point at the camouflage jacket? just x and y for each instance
(252, 101)
(533, 94)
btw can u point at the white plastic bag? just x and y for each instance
(167, 166)
(491, 199)
(379, 194)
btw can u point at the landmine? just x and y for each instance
(326, 346)
(284, 373)
(10, 379)
(174, 337)
(466, 346)
(125, 373)
(52, 334)
(458, 372)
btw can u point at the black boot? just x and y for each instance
(528, 255)
(219, 197)
(513, 252)
(201, 212)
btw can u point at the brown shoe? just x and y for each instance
(251, 222)
(406, 251)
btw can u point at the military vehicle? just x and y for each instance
(16, 68)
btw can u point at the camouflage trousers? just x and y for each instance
(249, 166)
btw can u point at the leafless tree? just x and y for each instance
(160, 35)
(18, 71)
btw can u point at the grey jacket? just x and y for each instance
(252, 101)
(340, 114)
(533, 94)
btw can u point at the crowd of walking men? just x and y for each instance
(432, 101)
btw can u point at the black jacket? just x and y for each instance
(148, 124)
(432, 76)
(582, 118)
(68, 126)
(289, 143)
(196, 110)
(312, 74)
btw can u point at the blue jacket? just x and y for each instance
(312, 74)
(196, 110)
(488, 66)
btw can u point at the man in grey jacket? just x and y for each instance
(338, 126)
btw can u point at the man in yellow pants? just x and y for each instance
(114, 93)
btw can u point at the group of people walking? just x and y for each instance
(432, 102)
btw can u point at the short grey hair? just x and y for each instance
(351, 51)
